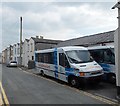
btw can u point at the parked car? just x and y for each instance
(12, 64)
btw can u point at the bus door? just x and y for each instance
(63, 64)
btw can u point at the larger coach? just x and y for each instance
(71, 64)
(105, 57)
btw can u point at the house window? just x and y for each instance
(18, 51)
(15, 50)
(31, 47)
(28, 47)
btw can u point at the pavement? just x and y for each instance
(1, 102)
(24, 87)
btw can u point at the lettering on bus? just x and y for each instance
(91, 67)
(44, 65)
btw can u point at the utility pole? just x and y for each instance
(117, 52)
(10, 48)
(20, 41)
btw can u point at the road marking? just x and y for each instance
(1, 102)
(106, 97)
(20, 69)
(4, 97)
(97, 97)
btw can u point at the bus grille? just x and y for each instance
(96, 72)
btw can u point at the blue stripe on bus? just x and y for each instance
(106, 67)
(55, 63)
(69, 71)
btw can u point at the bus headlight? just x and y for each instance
(82, 74)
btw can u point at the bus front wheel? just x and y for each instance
(74, 82)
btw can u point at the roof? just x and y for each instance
(116, 5)
(41, 46)
(48, 41)
(90, 40)
(19, 43)
(68, 48)
(27, 40)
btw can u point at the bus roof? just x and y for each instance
(66, 48)
(100, 47)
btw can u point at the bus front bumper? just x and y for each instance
(94, 79)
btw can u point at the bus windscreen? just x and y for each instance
(79, 56)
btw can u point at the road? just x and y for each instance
(25, 88)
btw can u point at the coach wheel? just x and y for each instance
(112, 78)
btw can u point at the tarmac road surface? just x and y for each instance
(24, 88)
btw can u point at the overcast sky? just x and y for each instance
(56, 20)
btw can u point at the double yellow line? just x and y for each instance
(3, 97)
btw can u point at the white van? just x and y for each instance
(70, 64)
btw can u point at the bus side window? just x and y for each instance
(39, 57)
(63, 60)
(48, 58)
(36, 57)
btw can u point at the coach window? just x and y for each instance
(97, 55)
(63, 60)
(109, 57)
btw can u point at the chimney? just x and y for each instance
(41, 37)
(37, 37)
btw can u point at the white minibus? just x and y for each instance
(71, 64)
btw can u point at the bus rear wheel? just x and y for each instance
(42, 73)
(73, 81)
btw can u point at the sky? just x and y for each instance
(55, 20)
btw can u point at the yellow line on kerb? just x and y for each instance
(1, 102)
(3, 96)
